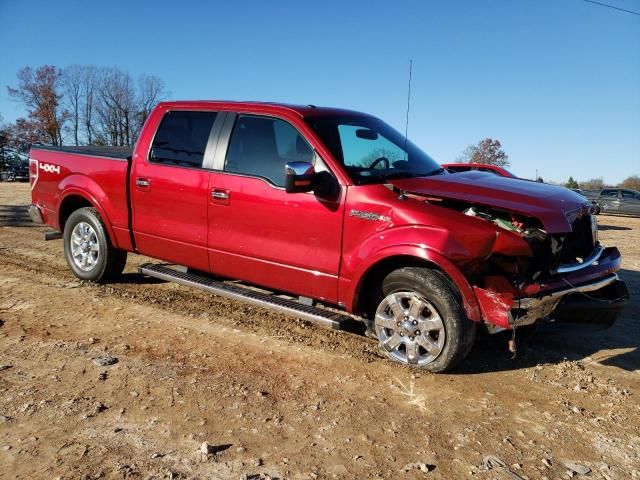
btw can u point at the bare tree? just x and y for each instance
(115, 107)
(71, 83)
(487, 151)
(105, 106)
(39, 91)
(23, 134)
(89, 87)
(151, 90)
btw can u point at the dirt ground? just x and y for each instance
(276, 397)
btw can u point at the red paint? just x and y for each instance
(548, 203)
(298, 242)
(286, 241)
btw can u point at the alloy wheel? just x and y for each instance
(409, 328)
(85, 247)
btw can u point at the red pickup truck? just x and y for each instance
(329, 210)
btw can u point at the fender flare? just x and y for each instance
(471, 305)
(80, 192)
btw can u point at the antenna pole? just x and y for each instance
(406, 125)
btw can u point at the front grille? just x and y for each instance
(580, 242)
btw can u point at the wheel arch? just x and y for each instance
(74, 199)
(373, 273)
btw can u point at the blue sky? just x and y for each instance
(556, 81)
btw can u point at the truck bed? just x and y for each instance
(119, 153)
(100, 173)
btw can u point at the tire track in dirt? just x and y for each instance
(178, 299)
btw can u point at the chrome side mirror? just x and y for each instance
(299, 177)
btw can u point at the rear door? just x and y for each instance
(170, 189)
(258, 232)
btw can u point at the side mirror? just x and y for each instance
(299, 177)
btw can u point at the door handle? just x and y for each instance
(143, 182)
(220, 195)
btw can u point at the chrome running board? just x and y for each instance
(234, 291)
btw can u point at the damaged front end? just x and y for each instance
(540, 259)
(566, 277)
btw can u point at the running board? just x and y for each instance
(316, 315)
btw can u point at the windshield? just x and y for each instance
(370, 150)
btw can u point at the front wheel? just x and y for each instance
(88, 249)
(420, 320)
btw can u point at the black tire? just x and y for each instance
(439, 290)
(110, 261)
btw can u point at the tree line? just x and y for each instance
(80, 105)
(489, 151)
(632, 182)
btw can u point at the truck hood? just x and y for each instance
(556, 207)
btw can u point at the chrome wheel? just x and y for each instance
(85, 248)
(409, 328)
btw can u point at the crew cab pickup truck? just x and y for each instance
(338, 211)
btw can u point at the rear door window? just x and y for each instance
(627, 195)
(182, 138)
(260, 146)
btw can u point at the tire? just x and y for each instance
(428, 300)
(88, 249)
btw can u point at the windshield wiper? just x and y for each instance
(437, 171)
(405, 174)
(396, 175)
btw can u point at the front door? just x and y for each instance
(261, 234)
(170, 191)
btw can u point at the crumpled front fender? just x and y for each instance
(350, 289)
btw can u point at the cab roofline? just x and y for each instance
(300, 110)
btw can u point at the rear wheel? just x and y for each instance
(88, 249)
(420, 321)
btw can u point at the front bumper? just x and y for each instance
(595, 285)
(609, 293)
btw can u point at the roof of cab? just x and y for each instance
(300, 110)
